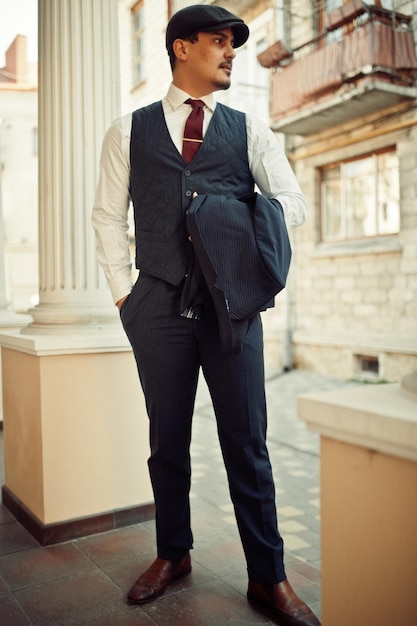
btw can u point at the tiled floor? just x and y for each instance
(85, 581)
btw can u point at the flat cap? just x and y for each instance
(198, 18)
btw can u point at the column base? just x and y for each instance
(59, 319)
(75, 435)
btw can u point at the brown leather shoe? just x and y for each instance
(154, 581)
(282, 604)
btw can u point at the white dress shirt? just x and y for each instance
(267, 162)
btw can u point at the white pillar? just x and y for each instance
(76, 440)
(79, 96)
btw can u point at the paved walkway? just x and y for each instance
(85, 581)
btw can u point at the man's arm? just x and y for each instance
(109, 215)
(273, 173)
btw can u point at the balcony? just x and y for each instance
(362, 63)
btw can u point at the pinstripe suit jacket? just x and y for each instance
(244, 253)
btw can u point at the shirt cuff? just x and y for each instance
(120, 287)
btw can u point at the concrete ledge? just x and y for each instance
(377, 417)
(99, 340)
(358, 341)
(368, 454)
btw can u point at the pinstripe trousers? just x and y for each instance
(170, 351)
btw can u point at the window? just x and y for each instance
(336, 35)
(138, 44)
(360, 198)
(327, 7)
(321, 8)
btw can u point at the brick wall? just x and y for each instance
(359, 299)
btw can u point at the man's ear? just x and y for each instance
(180, 47)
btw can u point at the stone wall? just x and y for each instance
(359, 298)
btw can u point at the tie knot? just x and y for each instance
(196, 104)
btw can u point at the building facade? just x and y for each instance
(343, 82)
(19, 176)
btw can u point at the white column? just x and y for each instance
(79, 96)
(71, 389)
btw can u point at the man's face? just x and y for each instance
(210, 59)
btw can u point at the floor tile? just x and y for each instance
(33, 567)
(290, 511)
(125, 616)
(213, 604)
(293, 543)
(10, 612)
(5, 516)
(292, 526)
(3, 587)
(13, 538)
(294, 564)
(74, 601)
(118, 545)
(221, 555)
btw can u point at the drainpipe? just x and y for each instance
(289, 314)
(287, 347)
(282, 26)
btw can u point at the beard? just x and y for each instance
(222, 84)
(223, 80)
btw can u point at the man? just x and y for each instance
(172, 336)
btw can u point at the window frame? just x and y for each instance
(138, 35)
(347, 235)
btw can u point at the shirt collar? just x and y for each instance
(176, 97)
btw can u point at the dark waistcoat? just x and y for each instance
(162, 184)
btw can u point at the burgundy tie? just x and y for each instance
(193, 131)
